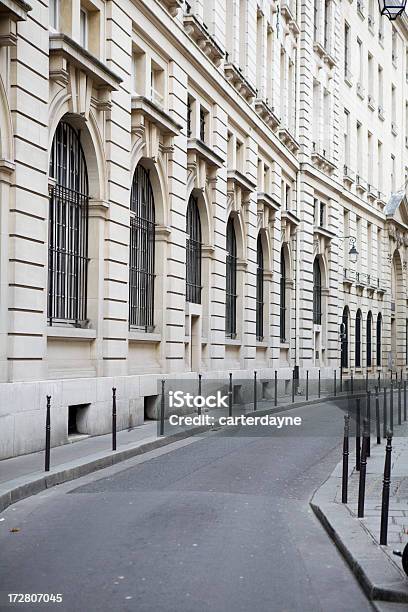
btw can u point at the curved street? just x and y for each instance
(219, 523)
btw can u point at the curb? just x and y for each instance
(13, 491)
(379, 577)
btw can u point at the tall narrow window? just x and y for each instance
(193, 252)
(346, 140)
(347, 51)
(68, 229)
(83, 28)
(259, 290)
(327, 21)
(141, 256)
(378, 338)
(231, 282)
(317, 293)
(358, 340)
(345, 338)
(283, 297)
(368, 338)
(54, 7)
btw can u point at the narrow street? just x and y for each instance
(221, 523)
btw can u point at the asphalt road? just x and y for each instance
(220, 524)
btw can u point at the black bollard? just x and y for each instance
(358, 433)
(199, 394)
(276, 388)
(399, 404)
(385, 503)
(341, 380)
(351, 383)
(318, 385)
(405, 400)
(344, 481)
(255, 396)
(392, 407)
(379, 381)
(113, 418)
(293, 386)
(363, 468)
(385, 413)
(377, 416)
(162, 408)
(307, 385)
(230, 395)
(368, 415)
(48, 434)
(366, 381)
(334, 383)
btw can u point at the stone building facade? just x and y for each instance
(181, 185)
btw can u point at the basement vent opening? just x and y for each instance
(77, 419)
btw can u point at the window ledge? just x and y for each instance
(141, 336)
(11, 11)
(144, 107)
(65, 332)
(232, 342)
(284, 345)
(64, 51)
(201, 150)
(261, 344)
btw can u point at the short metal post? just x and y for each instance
(199, 395)
(385, 503)
(358, 434)
(230, 395)
(318, 385)
(366, 380)
(344, 482)
(307, 385)
(352, 383)
(334, 383)
(363, 469)
(405, 400)
(368, 415)
(255, 396)
(377, 416)
(293, 386)
(341, 380)
(379, 381)
(113, 418)
(399, 404)
(385, 413)
(392, 407)
(276, 388)
(163, 382)
(48, 434)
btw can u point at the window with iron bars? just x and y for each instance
(358, 340)
(345, 338)
(141, 255)
(231, 282)
(193, 252)
(260, 292)
(68, 229)
(317, 293)
(189, 114)
(282, 314)
(203, 120)
(368, 339)
(378, 339)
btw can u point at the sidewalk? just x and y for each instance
(23, 476)
(378, 570)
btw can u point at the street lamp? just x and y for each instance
(392, 8)
(353, 253)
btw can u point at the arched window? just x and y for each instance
(358, 340)
(68, 229)
(193, 252)
(259, 290)
(368, 339)
(317, 293)
(378, 339)
(231, 282)
(141, 256)
(345, 338)
(282, 317)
